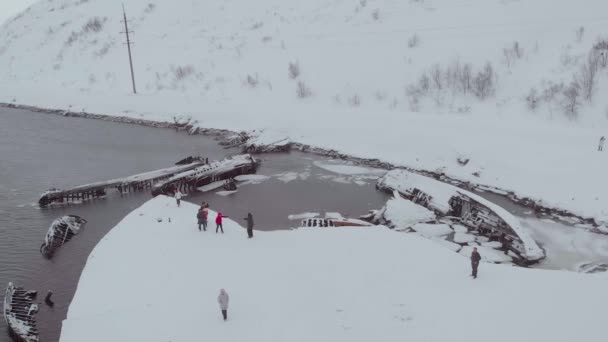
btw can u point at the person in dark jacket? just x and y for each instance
(249, 220)
(475, 258)
(202, 218)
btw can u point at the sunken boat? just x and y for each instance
(215, 171)
(330, 222)
(138, 182)
(61, 231)
(466, 208)
(20, 314)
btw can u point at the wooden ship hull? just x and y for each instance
(470, 210)
(333, 222)
(215, 171)
(137, 182)
(61, 231)
(19, 313)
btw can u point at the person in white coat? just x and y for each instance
(223, 300)
(178, 197)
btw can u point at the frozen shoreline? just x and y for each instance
(157, 281)
(566, 214)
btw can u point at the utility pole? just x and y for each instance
(124, 14)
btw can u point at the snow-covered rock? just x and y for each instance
(402, 213)
(432, 230)
(355, 284)
(464, 238)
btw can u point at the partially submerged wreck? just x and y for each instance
(203, 175)
(257, 142)
(470, 210)
(329, 222)
(61, 231)
(19, 313)
(137, 182)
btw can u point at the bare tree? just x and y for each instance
(579, 34)
(587, 76)
(294, 70)
(571, 100)
(484, 82)
(414, 41)
(533, 99)
(436, 76)
(302, 90)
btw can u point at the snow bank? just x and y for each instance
(158, 282)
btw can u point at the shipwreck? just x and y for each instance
(466, 208)
(20, 314)
(215, 171)
(138, 182)
(61, 231)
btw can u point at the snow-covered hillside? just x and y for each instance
(158, 281)
(404, 81)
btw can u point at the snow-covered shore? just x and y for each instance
(158, 281)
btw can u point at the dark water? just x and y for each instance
(39, 151)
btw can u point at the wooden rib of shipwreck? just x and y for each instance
(61, 231)
(137, 182)
(473, 211)
(19, 313)
(228, 168)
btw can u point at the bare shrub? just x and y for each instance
(512, 53)
(376, 14)
(436, 77)
(149, 8)
(380, 95)
(424, 83)
(580, 32)
(104, 50)
(182, 72)
(354, 100)
(257, 25)
(302, 90)
(571, 100)
(294, 70)
(601, 50)
(533, 99)
(252, 81)
(414, 41)
(363, 3)
(484, 83)
(72, 38)
(93, 25)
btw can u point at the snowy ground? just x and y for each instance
(158, 281)
(226, 65)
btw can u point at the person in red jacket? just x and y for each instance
(218, 222)
(475, 258)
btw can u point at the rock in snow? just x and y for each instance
(352, 284)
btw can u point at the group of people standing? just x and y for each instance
(202, 217)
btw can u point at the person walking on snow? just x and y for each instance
(202, 218)
(475, 258)
(218, 222)
(601, 145)
(249, 220)
(178, 197)
(223, 300)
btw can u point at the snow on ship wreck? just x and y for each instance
(19, 313)
(333, 220)
(472, 211)
(215, 171)
(136, 182)
(61, 231)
